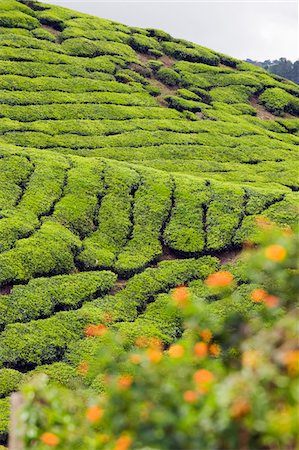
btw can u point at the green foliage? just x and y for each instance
(182, 104)
(152, 203)
(18, 19)
(278, 101)
(48, 251)
(207, 387)
(9, 381)
(168, 76)
(88, 48)
(41, 297)
(4, 416)
(144, 44)
(114, 219)
(192, 52)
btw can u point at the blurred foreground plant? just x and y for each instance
(208, 390)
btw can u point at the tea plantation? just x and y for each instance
(131, 162)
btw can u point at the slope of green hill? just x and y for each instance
(130, 162)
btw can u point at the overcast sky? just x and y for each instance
(245, 29)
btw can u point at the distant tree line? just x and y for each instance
(282, 67)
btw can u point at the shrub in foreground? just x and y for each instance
(210, 389)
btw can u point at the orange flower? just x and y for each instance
(203, 376)
(271, 301)
(239, 408)
(276, 253)
(154, 355)
(155, 342)
(135, 358)
(258, 295)
(219, 279)
(176, 351)
(123, 442)
(215, 350)
(250, 358)
(95, 330)
(141, 342)
(291, 359)
(206, 335)
(203, 379)
(181, 296)
(94, 414)
(50, 439)
(201, 349)
(190, 396)
(125, 381)
(83, 368)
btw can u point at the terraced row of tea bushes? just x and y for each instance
(35, 69)
(190, 52)
(234, 94)
(194, 227)
(49, 251)
(85, 127)
(88, 48)
(259, 172)
(41, 191)
(152, 205)
(77, 209)
(185, 230)
(114, 219)
(42, 98)
(14, 174)
(284, 212)
(246, 154)
(18, 19)
(74, 30)
(85, 111)
(44, 341)
(11, 41)
(278, 101)
(181, 104)
(131, 139)
(41, 297)
(73, 85)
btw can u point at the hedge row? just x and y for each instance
(131, 139)
(232, 94)
(185, 230)
(145, 44)
(42, 190)
(14, 173)
(45, 341)
(73, 85)
(193, 53)
(114, 219)
(17, 19)
(48, 252)
(41, 297)
(167, 153)
(223, 215)
(279, 101)
(152, 204)
(102, 69)
(85, 111)
(93, 128)
(88, 48)
(77, 209)
(13, 41)
(50, 97)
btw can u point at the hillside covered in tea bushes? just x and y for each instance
(131, 162)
